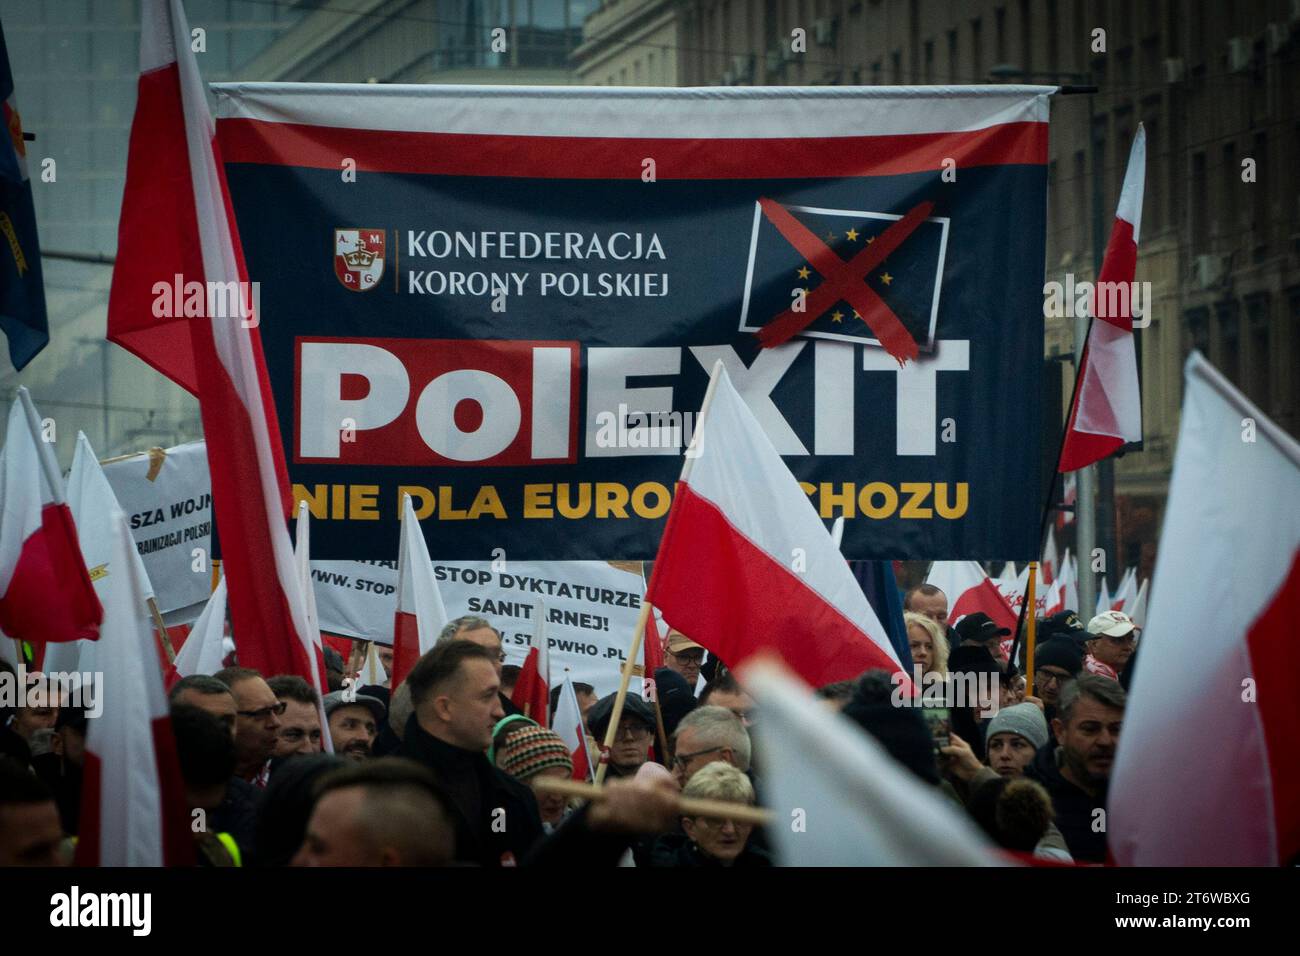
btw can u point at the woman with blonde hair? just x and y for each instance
(928, 643)
(706, 841)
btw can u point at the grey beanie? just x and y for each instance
(1023, 719)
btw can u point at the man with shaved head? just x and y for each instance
(385, 812)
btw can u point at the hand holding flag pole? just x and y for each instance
(692, 452)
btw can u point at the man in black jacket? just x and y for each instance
(454, 689)
(1077, 773)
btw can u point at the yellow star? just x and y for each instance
(886, 278)
(837, 316)
(870, 240)
(804, 273)
(855, 314)
(830, 237)
(852, 234)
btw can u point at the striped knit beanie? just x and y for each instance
(533, 749)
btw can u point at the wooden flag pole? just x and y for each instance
(1031, 624)
(162, 631)
(687, 806)
(617, 713)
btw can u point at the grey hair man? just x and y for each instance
(708, 734)
(476, 630)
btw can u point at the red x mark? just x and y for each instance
(843, 280)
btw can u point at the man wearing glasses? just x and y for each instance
(257, 722)
(1057, 661)
(636, 731)
(684, 656)
(1114, 641)
(479, 631)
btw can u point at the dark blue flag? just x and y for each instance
(22, 289)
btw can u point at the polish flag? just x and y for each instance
(568, 724)
(45, 589)
(1022, 588)
(1070, 572)
(1227, 705)
(743, 532)
(1055, 599)
(421, 615)
(203, 652)
(652, 657)
(1103, 597)
(871, 811)
(1069, 496)
(1107, 410)
(969, 589)
(133, 807)
(93, 505)
(311, 637)
(1049, 565)
(533, 687)
(1126, 593)
(176, 226)
(1006, 581)
(1139, 612)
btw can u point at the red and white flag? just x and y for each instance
(202, 651)
(311, 638)
(1139, 612)
(743, 532)
(421, 615)
(45, 589)
(1107, 410)
(133, 806)
(1048, 566)
(178, 229)
(1126, 592)
(1070, 497)
(820, 766)
(568, 724)
(1103, 597)
(1225, 703)
(1070, 572)
(93, 507)
(969, 589)
(1059, 591)
(533, 686)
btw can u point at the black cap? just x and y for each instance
(633, 707)
(1062, 624)
(979, 627)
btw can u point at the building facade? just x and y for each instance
(1215, 85)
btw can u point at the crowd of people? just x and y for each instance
(445, 770)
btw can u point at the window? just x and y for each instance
(952, 57)
(1259, 380)
(928, 75)
(976, 52)
(1229, 211)
(1000, 21)
(896, 67)
(1196, 331)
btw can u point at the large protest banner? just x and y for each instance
(591, 607)
(167, 498)
(507, 302)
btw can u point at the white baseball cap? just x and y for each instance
(1111, 624)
